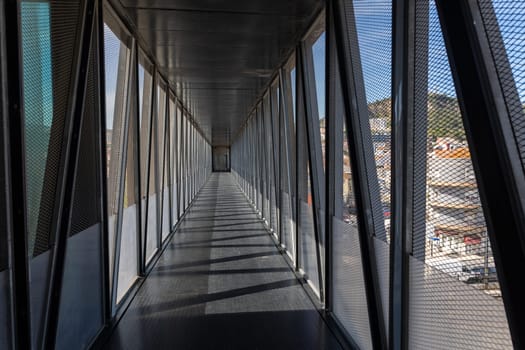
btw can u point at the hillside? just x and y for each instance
(444, 117)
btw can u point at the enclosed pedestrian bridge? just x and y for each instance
(262, 174)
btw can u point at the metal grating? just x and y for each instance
(308, 254)
(373, 23)
(350, 305)
(349, 295)
(504, 22)
(373, 20)
(47, 69)
(287, 226)
(86, 205)
(455, 301)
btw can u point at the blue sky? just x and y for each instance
(111, 57)
(374, 27)
(318, 50)
(511, 17)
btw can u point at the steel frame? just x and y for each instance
(403, 74)
(16, 189)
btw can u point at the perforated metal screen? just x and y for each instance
(454, 297)
(49, 31)
(373, 21)
(86, 201)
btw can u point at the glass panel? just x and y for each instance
(510, 16)
(173, 160)
(349, 297)
(267, 156)
(287, 137)
(274, 152)
(452, 264)
(185, 161)
(179, 162)
(293, 80)
(153, 200)
(374, 31)
(145, 101)
(128, 244)
(305, 217)
(308, 255)
(38, 104)
(319, 58)
(163, 162)
(504, 22)
(46, 64)
(83, 270)
(116, 61)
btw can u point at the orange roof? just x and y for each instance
(461, 152)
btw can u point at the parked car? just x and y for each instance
(479, 272)
(455, 268)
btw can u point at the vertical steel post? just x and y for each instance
(402, 168)
(15, 145)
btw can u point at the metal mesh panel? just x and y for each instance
(286, 217)
(86, 205)
(349, 295)
(308, 244)
(455, 301)
(349, 303)
(82, 280)
(374, 32)
(504, 22)
(273, 214)
(447, 314)
(48, 43)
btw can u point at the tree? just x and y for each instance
(444, 117)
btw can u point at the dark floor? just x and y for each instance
(221, 284)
